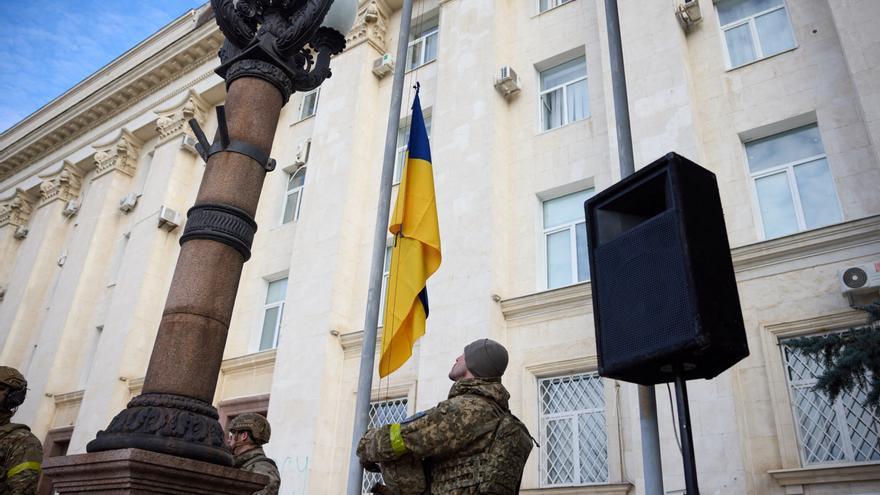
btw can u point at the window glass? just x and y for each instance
(277, 290)
(786, 147)
(309, 104)
(739, 45)
(270, 327)
(774, 32)
(564, 73)
(565, 242)
(777, 207)
(817, 194)
(564, 94)
(565, 209)
(558, 259)
(734, 10)
(272, 313)
(293, 200)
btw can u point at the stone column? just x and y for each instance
(35, 269)
(261, 68)
(14, 215)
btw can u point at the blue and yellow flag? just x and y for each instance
(416, 252)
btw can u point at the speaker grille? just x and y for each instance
(644, 303)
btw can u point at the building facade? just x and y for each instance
(779, 98)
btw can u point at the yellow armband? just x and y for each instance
(397, 444)
(24, 466)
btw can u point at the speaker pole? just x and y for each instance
(651, 462)
(687, 439)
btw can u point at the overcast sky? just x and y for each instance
(48, 46)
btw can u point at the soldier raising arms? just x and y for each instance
(247, 433)
(20, 451)
(467, 444)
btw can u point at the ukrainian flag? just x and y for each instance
(416, 252)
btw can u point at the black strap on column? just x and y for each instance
(223, 143)
(222, 223)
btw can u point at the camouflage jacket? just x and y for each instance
(449, 438)
(255, 461)
(20, 457)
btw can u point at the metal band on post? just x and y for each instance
(221, 223)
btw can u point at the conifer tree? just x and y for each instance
(850, 358)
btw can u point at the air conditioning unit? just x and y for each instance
(383, 65)
(507, 82)
(189, 144)
(169, 219)
(302, 153)
(688, 13)
(860, 278)
(71, 208)
(127, 203)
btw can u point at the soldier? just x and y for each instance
(20, 451)
(467, 444)
(247, 433)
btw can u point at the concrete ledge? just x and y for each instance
(133, 471)
(795, 479)
(608, 489)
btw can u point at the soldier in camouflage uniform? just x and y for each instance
(247, 433)
(20, 451)
(467, 444)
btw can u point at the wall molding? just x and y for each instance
(794, 480)
(565, 301)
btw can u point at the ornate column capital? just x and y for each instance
(173, 121)
(63, 185)
(371, 25)
(121, 155)
(16, 211)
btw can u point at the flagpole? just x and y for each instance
(377, 267)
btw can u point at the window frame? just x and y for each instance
(788, 170)
(556, 4)
(564, 86)
(541, 421)
(422, 40)
(845, 443)
(753, 32)
(278, 319)
(288, 192)
(572, 228)
(302, 104)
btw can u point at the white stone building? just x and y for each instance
(779, 98)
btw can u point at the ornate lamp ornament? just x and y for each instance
(275, 40)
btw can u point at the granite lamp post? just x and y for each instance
(272, 49)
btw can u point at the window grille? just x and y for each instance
(573, 430)
(383, 412)
(844, 431)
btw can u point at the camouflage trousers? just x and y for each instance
(404, 476)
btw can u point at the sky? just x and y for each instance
(48, 46)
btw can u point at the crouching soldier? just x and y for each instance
(20, 451)
(468, 444)
(247, 433)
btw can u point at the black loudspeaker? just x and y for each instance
(664, 293)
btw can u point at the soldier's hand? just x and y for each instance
(370, 466)
(381, 489)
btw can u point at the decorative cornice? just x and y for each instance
(805, 244)
(577, 298)
(575, 365)
(122, 155)
(839, 473)
(371, 26)
(72, 115)
(249, 361)
(175, 121)
(821, 323)
(68, 398)
(17, 210)
(63, 185)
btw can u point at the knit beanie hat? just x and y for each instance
(485, 358)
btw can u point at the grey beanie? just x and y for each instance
(485, 358)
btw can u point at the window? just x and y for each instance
(382, 413)
(386, 272)
(793, 183)
(844, 431)
(293, 200)
(573, 430)
(402, 144)
(564, 94)
(272, 313)
(309, 104)
(754, 29)
(423, 47)
(549, 4)
(565, 239)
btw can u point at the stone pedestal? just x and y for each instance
(140, 472)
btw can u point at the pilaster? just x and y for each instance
(371, 26)
(119, 156)
(15, 213)
(174, 121)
